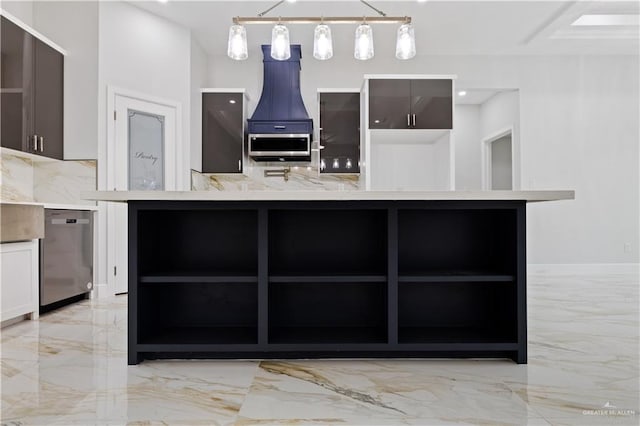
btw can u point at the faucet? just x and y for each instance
(278, 173)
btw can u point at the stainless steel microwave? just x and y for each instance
(280, 147)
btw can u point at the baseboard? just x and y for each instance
(100, 291)
(583, 268)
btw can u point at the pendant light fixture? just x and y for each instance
(237, 47)
(406, 42)
(280, 47)
(364, 42)
(322, 42)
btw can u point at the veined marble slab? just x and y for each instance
(28, 178)
(326, 195)
(16, 179)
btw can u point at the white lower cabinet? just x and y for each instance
(19, 285)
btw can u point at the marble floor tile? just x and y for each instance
(70, 368)
(387, 391)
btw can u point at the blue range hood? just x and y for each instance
(280, 128)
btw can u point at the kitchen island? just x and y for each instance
(327, 274)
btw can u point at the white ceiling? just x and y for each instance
(475, 96)
(442, 27)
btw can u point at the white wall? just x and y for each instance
(74, 26)
(467, 144)
(412, 160)
(146, 54)
(442, 162)
(579, 130)
(198, 69)
(498, 114)
(21, 9)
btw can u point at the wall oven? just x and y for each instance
(280, 147)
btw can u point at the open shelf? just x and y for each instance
(196, 278)
(329, 279)
(323, 312)
(202, 335)
(467, 334)
(299, 241)
(198, 313)
(452, 312)
(327, 335)
(456, 242)
(458, 276)
(203, 242)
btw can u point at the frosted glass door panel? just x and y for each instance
(146, 151)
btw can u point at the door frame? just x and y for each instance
(107, 217)
(486, 157)
(112, 92)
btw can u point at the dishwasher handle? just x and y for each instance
(70, 221)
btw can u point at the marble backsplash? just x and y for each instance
(300, 179)
(28, 178)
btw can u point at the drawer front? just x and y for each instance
(281, 127)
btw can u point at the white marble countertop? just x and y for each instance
(123, 196)
(54, 205)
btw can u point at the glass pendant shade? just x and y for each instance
(237, 48)
(406, 42)
(364, 42)
(280, 48)
(322, 43)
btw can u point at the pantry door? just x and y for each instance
(144, 159)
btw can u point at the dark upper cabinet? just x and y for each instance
(32, 93)
(410, 104)
(432, 104)
(222, 132)
(340, 132)
(48, 100)
(389, 104)
(16, 66)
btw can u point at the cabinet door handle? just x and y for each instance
(41, 143)
(408, 120)
(239, 165)
(414, 120)
(279, 127)
(35, 142)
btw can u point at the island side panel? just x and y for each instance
(521, 281)
(133, 355)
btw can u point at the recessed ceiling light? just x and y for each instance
(232, 101)
(163, 1)
(607, 20)
(422, 1)
(462, 93)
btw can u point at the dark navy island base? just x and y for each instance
(327, 279)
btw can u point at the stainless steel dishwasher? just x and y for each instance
(66, 255)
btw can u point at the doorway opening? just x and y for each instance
(498, 161)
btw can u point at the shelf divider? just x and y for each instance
(327, 278)
(198, 279)
(455, 278)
